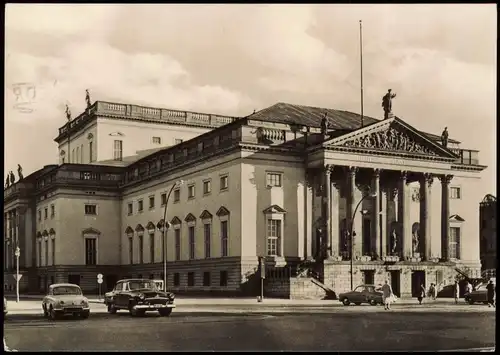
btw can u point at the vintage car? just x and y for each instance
(139, 296)
(362, 294)
(5, 307)
(65, 299)
(479, 295)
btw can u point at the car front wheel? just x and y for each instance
(373, 302)
(165, 312)
(470, 301)
(52, 313)
(346, 302)
(45, 313)
(111, 308)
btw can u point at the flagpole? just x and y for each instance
(361, 59)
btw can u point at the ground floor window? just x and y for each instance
(190, 278)
(223, 278)
(274, 237)
(177, 279)
(454, 245)
(206, 278)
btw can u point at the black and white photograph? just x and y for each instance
(250, 177)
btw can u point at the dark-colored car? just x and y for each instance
(479, 295)
(362, 294)
(139, 296)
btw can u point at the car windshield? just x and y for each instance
(66, 290)
(359, 289)
(137, 285)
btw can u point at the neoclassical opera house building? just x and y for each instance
(275, 184)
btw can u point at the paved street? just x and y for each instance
(219, 328)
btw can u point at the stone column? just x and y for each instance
(445, 215)
(375, 225)
(425, 214)
(334, 219)
(309, 185)
(326, 211)
(404, 217)
(384, 230)
(355, 221)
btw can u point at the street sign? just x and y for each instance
(17, 277)
(99, 276)
(99, 281)
(262, 267)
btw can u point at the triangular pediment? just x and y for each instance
(190, 218)
(223, 211)
(456, 218)
(274, 209)
(139, 228)
(175, 221)
(206, 215)
(150, 226)
(391, 135)
(129, 230)
(91, 231)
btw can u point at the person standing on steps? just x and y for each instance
(421, 294)
(456, 292)
(490, 288)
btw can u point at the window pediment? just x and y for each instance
(223, 211)
(129, 231)
(52, 231)
(160, 224)
(176, 221)
(189, 218)
(456, 218)
(274, 209)
(139, 228)
(45, 233)
(206, 215)
(91, 231)
(150, 226)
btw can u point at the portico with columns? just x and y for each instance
(373, 169)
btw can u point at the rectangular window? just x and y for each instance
(191, 243)
(152, 247)
(46, 253)
(140, 206)
(81, 154)
(454, 247)
(77, 155)
(177, 195)
(177, 244)
(273, 180)
(163, 199)
(274, 237)
(190, 278)
(52, 211)
(224, 238)
(39, 215)
(151, 202)
(455, 193)
(130, 207)
(191, 191)
(72, 157)
(178, 141)
(90, 209)
(223, 279)
(45, 213)
(131, 250)
(53, 251)
(207, 187)
(90, 251)
(91, 157)
(141, 249)
(177, 279)
(206, 278)
(118, 150)
(156, 140)
(224, 183)
(207, 233)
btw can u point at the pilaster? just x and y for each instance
(375, 225)
(445, 215)
(426, 214)
(404, 216)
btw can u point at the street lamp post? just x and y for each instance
(18, 254)
(164, 232)
(352, 237)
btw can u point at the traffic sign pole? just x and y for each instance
(99, 282)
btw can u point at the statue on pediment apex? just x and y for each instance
(444, 137)
(387, 103)
(7, 181)
(324, 125)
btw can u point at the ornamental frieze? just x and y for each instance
(389, 140)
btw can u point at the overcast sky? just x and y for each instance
(232, 59)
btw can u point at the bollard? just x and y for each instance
(259, 299)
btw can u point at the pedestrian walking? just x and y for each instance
(387, 295)
(468, 288)
(432, 292)
(490, 288)
(421, 294)
(456, 292)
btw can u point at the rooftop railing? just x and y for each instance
(466, 156)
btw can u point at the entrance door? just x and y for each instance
(367, 242)
(369, 277)
(110, 281)
(396, 282)
(417, 279)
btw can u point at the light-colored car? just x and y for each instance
(65, 299)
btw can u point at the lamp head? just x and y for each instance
(373, 194)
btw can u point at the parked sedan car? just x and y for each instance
(362, 294)
(5, 307)
(65, 299)
(139, 296)
(480, 294)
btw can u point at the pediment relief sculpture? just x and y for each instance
(390, 139)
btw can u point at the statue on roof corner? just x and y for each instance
(87, 98)
(387, 103)
(444, 137)
(68, 113)
(20, 172)
(324, 125)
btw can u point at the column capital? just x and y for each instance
(376, 173)
(428, 179)
(327, 169)
(445, 179)
(403, 175)
(352, 170)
